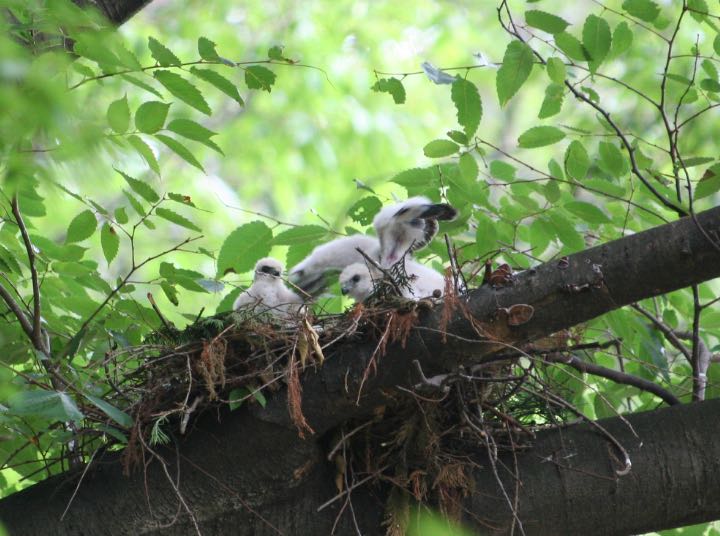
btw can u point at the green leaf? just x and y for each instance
(143, 189)
(646, 10)
(145, 151)
(515, 70)
(183, 90)
(110, 242)
(162, 54)
(121, 216)
(693, 161)
(710, 69)
(276, 53)
(596, 38)
(220, 82)
(540, 137)
(182, 199)
(577, 161)
(709, 183)
(467, 102)
(440, 148)
(393, 86)
(49, 404)
(710, 85)
(546, 22)
(457, 137)
(716, 44)
(134, 203)
(120, 417)
(170, 292)
(502, 170)
(194, 131)
(552, 103)
(179, 149)
(468, 167)
(364, 210)
(556, 70)
(698, 9)
(621, 40)
(485, 235)
(150, 116)
(259, 77)
(566, 232)
(300, 234)
(118, 115)
(414, 178)
(142, 85)
(612, 159)
(206, 49)
(572, 48)
(587, 212)
(176, 218)
(244, 247)
(81, 227)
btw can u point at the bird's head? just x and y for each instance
(268, 269)
(356, 281)
(408, 226)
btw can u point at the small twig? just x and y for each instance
(351, 488)
(345, 437)
(77, 487)
(167, 325)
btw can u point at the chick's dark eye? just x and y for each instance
(269, 270)
(355, 278)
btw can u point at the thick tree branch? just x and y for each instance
(116, 11)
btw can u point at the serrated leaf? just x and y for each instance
(485, 236)
(150, 116)
(440, 148)
(540, 137)
(176, 218)
(552, 103)
(162, 54)
(110, 242)
(259, 77)
(546, 22)
(364, 210)
(300, 234)
(468, 105)
(118, 115)
(414, 178)
(710, 85)
(556, 70)
(709, 183)
(183, 90)
(566, 232)
(515, 70)
(194, 131)
(622, 39)
(646, 10)
(587, 212)
(693, 161)
(145, 151)
(502, 170)
(120, 417)
(141, 188)
(572, 48)
(182, 199)
(596, 39)
(170, 292)
(457, 136)
(577, 161)
(179, 149)
(612, 159)
(49, 404)
(468, 167)
(206, 49)
(134, 203)
(698, 9)
(276, 53)
(710, 69)
(121, 216)
(716, 44)
(81, 227)
(142, 85)
(244, 247)
(220, 82)
(393, 86)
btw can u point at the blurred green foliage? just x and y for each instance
(170, 155)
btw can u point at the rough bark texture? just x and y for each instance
(253, 458)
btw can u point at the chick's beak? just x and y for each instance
(344, 289)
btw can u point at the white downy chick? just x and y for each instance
(408, 226)
(268, 292)
(358, 281)
(311, 273)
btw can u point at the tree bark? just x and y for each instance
(116, 11)
(254, 458)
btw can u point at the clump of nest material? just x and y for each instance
(423, 443)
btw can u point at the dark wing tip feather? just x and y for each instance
(440, 211)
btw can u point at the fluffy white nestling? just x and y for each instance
(358, 281)
(408, 226)
(268, 292)
(311, 274)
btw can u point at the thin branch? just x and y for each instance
(670, 335)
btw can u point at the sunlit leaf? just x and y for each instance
(485, 236)
(547, 22)
(220, 82)
(206, 49)
(572, 48)
(502, 170)
(622, 39)
(150, 116)
(162, 54)
(176, 218)
(556, 70)
(540, 137)
(120, 417)
(587, 212)
(109, 241)
(468, 167)
(259, 77)
(468, 105)
(577, 161)
(515, 70)
(194, 131)
(393, 86)
(244, 247)
(49, 404)
(121, 216)
(170, 292)
(612, 159)
(596, 38)
(118, 115)
(646, 10)
(183, 90)
(300, 234)
(145, 151)
(552, 103)
(364, 210)
(440, 148)
(143, 189)
(81, 227)
(179, 149)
